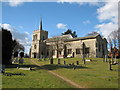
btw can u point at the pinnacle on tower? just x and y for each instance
(40, 27)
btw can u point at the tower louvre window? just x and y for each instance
(34, 37)
(35, 46)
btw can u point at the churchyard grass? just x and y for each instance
(32, 79)
(95, 74)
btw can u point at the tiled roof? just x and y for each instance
(68, 37)
(82, 38)
(62, 37)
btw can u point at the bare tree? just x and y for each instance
(119, 38)
(58, 44)
(17, 47)
(114, 42)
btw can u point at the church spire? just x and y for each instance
(40, 27)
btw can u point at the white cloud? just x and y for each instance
(106, 28)
(61, 26)
(86, 22)
(80, 2)
(14, 3)
(22, 38)
(108, 12)
(90, 2)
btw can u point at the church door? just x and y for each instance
(34, 55)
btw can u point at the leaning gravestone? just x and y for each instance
(58, 61)
(77, 62)
(21, 61)
(109, 65)
(64, 62)
(51, 61)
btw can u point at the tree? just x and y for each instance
(58, 44)
(69, 31)
(7, 46)
(17, 47)
(114, 43)
(21, 54)
(119, 38)
(114, 37)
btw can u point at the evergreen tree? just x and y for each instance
(7, 46)
(69, 31)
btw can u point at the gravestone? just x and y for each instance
(16, 60)
(58, 61)
(109, 65)
(21, 61)
(84, 61)
(44, 59)
(105, 58)
(64, 62)
(3, 69)
(77, 62)
(72, 64)
(51, 61)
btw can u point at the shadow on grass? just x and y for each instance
(56, 66)
(22, 66)
(48, 66)
(11, 74)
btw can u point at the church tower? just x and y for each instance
(38, 47)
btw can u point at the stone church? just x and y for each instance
(66, 46)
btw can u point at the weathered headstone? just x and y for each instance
(3, 69)
(51, 61)
(84, 61)
(44, 59)
(64, 62)
(77, 62)
(21, 61)
(58, 61)
(109, 66)
(105, 58)
(72, 64)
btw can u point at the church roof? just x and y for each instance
(68, 38)
(62, 37)
(83, 38)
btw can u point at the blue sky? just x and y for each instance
(24, 18)
(73, 15)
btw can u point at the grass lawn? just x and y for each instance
(92, 75)
(32, 79)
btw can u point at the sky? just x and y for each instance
(22, 17)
